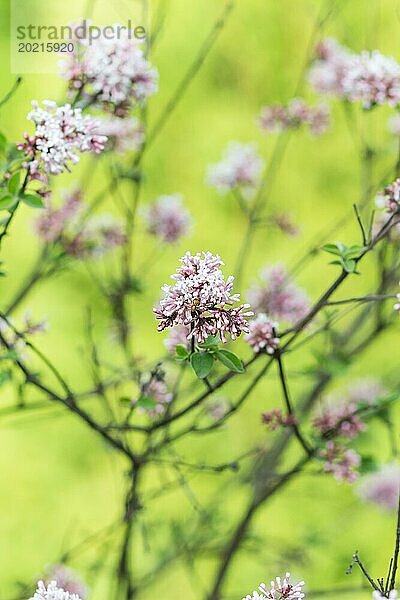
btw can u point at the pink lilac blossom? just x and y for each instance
(240, 167)
(279, 589)
(339, 418)
(262, 334)
(284, 222)
(365, 391)
(389, 198)
(52, 592)
(327, 72)
(278, 296)
(157, 390)
(177, 336)
(295, 114)
(112, 71)
(218, 408)
(124, 135)
(393, 235)
(61, 134)
(382, 487)
(67, 579)
(341, 462)
(202, 300)
(52, 221)
(275, 419)
(167, 219)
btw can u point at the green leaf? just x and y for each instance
(3, 143)
(202, 363)
(230, 360)
(14, 183)
(7, 201)
(5, 376)
(146, 402)
(211, 341)
(181, 352)
(32, 200)
(349, 265)
(332, 249)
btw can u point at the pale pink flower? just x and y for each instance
(61, 134)
(202, 300)
(365, 391)
(156, 389)
(285, 223)
(382, 487)
(67, 579)
(295, 114)
(275, 418)
(218, 408)
(167, 219)
(262, 334)
(338, 418)
(124, 135)
(279, 589)
(390, 197)
(52, 221)
(341, 462)
(331, 64)
(278, 296)
(240, 167)
(52, 592)
(372, 78)
(177, 336)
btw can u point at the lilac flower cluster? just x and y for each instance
(275, 419)
(382, 487)
(52, 592)
(177, 336)
(369, 77)
(280, 589)
(262, 334)
(111, 71)
(240, 167)
(156, 389)
(62, 132)
(278, 296)
(124, 135)
(67, 579)
(339, 418)
(167, 219)
(202, 300)
(340, 461)
(389, 198)
(295, 114)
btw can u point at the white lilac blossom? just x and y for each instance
(111, 70)
(326, 73)
(293, 115)
(202, 300)
(177, 336)
(394, 124)
(167, 219)
(279, 589)
(340, 461)
(67, 579)
(52, 592)
(389, 197)
(240, 167)
(61, 134)
(382, 487)
(262, 334)
(376, 595)
(124, 135)
(278, 296)
(366, 390)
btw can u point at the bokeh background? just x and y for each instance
(59, 483)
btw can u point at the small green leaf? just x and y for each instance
(211, 341)
(7, 201)
(14, 183)
(202, 363)
(230, 360)
(146, 402)
(32, 200)
(331, 248)
(181, 352)
(349, 265)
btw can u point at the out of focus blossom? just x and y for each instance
(295, 114)
(279, 589)
(124, 135)
(390, 197)
(278, 296)
(275, 419)
(53, 221)
(156, 390)
(397, 305)
(167, 219)
(339, 418)
(111, 71)
(15, 341)
(382, 487)
(340, 461)
(376, 595)
(177, 336)
(240, 167)
(262, 334)
(67, 579)
(394, 124)
(52, 592)
(218, 408)
(285, 224)
(365, 391)
(382, 218)
(202, 300)
(61, 134)
(327, 72)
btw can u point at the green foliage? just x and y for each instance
(348, 255)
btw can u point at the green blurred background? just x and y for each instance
(59, 482)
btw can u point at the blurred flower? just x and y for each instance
(240, 167)
(111, 70)
(67, 579)
(52, 221)
(394, 124)
(376, 595)
(365, 391)
(341, 462)
(167, 219)
(262, 334)
(202, 300)
(285, 224)
(156, 389)
(327, 72)
(218, 408)
(61, 133)
(177, 336)
(397, 305)
(274, 419)
(338, 418)
(382, 487)
(280, 589)
(390, 197)
(124, 135)
(295, 114)
(14, 336)
(278, 296)
(52, 592)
